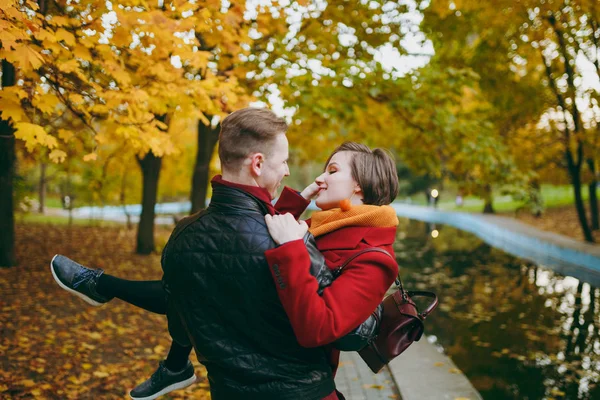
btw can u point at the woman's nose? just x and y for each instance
(320, 179)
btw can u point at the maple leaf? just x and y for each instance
(90, 157)
(12, 110)
(66, 36)
(69, 66)
(57, 156)
(46, 103)
(24, 57)
(65, 134)
(33, 134)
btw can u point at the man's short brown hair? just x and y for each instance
(247, 131)
(374, 170)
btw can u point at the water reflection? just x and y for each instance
(517, 330)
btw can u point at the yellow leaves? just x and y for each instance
(101, 138)
(101, 374)
(82, 53)
(59, 21)
(76, 98)
(90, 157)
(69, 66)
(34, 135)
(162, 72)
(119, 74)
(13, 110)
(66, 36)
(121, 37)
(373, 386)
(127, 132)
(10, 8)
(27, 383)
(100, 109)
(46, 103)
(57, 156)
(95, 335)
(198, 59)
(65, 134)
(45, 35)
(24, 57)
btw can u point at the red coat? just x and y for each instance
(321, 320)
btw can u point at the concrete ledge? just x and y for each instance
(562, 254)
(422, 372)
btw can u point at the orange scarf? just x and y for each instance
(323, 222)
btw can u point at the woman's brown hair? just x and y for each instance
(374, 170)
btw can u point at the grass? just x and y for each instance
(60, 220)
(554, 196)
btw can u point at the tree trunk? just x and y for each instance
(150, 166)
(488, 207)
(123, 197)
(7, 173)
(593, 191)
(207, 139)
(576, 183)
(42, 188)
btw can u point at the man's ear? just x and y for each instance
(256, 163)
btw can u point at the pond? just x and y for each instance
(516, 329)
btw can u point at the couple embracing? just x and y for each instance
(260, 296)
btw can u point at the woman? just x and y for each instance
(354, 194)
(373, 183)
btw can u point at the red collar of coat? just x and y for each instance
(349, 237)
(258, 192)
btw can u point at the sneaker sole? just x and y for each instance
(170, 388)
(68, 289)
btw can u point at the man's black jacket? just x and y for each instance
(223, 300)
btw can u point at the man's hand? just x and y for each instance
(284, 228)
(310, 191)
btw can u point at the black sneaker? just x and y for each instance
(164, 381)
(77, 279)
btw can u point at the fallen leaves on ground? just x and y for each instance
(55, 346)
(561, 220)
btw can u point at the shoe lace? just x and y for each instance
(156, 376)
(84, 276)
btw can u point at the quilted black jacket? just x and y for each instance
(223, 300)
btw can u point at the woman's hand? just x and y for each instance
(311, 191)
(284, 228)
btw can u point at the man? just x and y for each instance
(221, 293)
(221, 296)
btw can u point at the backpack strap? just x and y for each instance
(371, 249)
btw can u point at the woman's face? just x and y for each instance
(336, 183)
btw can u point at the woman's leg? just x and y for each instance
(178, 356)
(167, 377)
(97, 288)
(148, 295)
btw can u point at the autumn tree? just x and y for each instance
(130, 68)
(7, 165)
